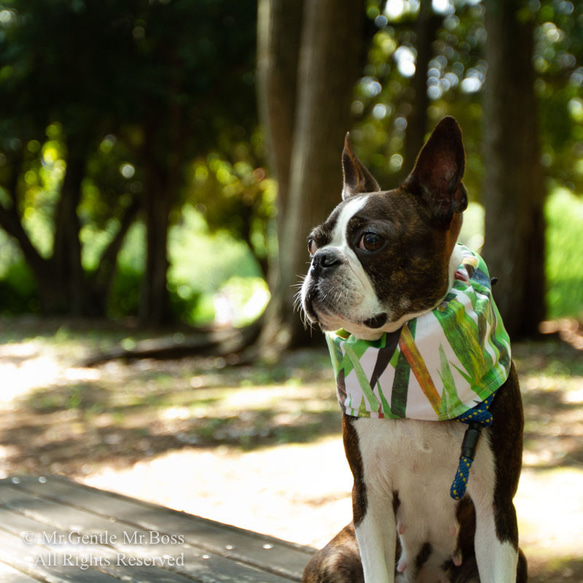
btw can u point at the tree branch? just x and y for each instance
(10, 222)
(10, 219)
(106, 267)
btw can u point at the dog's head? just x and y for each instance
(384, 257)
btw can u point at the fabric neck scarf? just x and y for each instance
(438, 366)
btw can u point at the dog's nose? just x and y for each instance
(325, 260)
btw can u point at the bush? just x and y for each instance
(18, 290)
(124, 297)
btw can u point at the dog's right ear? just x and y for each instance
(357, 179)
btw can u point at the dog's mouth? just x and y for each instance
(377, 321)
(328, 318)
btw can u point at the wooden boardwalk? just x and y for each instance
(56, 531)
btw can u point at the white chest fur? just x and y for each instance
(409, 466)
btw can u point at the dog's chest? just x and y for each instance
(412, 464)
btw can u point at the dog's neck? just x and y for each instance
(364, 333)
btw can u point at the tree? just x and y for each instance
(307, 66)
(160, 77)
(192, 59)
(426, 28)
(44, 59)
(514, 189)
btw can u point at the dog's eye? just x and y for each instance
(312, 247)
(371, 242)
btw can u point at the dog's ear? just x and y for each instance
(437, 175)
(357, 179)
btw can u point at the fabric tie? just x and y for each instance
(476, 419)
(437, 366)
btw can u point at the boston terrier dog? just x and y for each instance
(432, 412)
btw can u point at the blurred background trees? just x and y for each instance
(105, 105)
(306, 77)
(133, 176)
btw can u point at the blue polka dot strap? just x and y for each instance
(476, 419)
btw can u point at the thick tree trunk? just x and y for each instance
(514, 183)
(326, 72)
(278, 48)
(154, 299)
(279, 29)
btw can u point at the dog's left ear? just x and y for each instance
(357, 178)
(437, 176)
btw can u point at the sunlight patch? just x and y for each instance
(553, 527)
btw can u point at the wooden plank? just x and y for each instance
(273, 555)
(204, 567)
(32, 560)
(54, 513)
(10, 575)
(41, 549)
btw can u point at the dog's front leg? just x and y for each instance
(497, 555)
(373, 513)
(496, 538)
(493, 486)
(377, 537)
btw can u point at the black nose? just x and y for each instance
(324, 261)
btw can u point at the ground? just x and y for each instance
(259, 446)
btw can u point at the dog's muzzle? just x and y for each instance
(324, 263)
(317, 292)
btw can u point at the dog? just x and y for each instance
(386, 277)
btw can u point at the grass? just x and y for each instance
(564, 215)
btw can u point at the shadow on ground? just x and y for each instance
(120, 413)
(75, 421)
(554, 570)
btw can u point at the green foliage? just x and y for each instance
(125, 82)
(559, 66)
(564, 213)
(234, 194)
(124, 298)
(202, 262)
(133, 91)
(18, 290)
(9, 253)
(384, 97)
(246, 298)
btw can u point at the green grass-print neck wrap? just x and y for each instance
(437, 366)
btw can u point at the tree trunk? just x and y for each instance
(279, 28)
(327, 71)
(278, 48)
(514, 183)
(63, 291)
(425, 30)
(154, 299)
